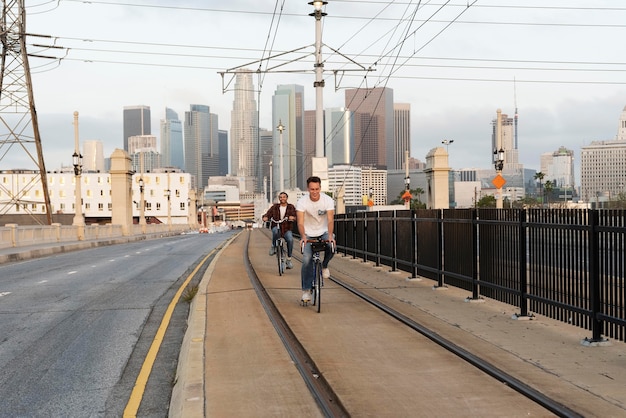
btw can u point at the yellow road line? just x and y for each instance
(140, 384)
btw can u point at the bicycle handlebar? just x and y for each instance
(317, 241)
(280, 221)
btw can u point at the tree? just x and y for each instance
(549, 187)
(488, 201)
(415, 202)
(539, 176)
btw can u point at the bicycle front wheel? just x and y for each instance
(318, 287)
(280, 257)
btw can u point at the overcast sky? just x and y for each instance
(456, 62)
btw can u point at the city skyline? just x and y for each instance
(567, 92)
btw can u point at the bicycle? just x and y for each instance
(317, 246)
(280, 245)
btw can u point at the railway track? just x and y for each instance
(397, 367)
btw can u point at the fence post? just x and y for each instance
(475, 283)
(523, 277)
(440, 256)
(394, 250)
(413, 244)
(353, 236)
(377, 223)
(594, 277)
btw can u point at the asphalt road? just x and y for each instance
(75, 328)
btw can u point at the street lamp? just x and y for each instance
(142, 206)
(498, 162)
(281, 183)
(168, 194)
(447, 142)
(498, 159)
(77, 161)
(271, 184)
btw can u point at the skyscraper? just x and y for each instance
(288, 110)
(402, 132)
(507, 142)
(136, 122)
(558, 167)
(172, 148)
(201, 135)
(374, 129)
(93, 156)
(603, 169)
(244, 127)
(339, 136)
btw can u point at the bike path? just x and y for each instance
(545, 353)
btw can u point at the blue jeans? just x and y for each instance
(308, 267)
(288, 238)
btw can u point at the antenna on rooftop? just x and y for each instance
(515, 103)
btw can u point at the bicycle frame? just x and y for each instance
(280, 246)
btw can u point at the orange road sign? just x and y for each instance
(498, 181)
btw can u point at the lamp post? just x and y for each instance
(168, 194)
(77, 161)
(271, 184)
(281, 184)
(498, 161)
(447, 143)
(142, 206)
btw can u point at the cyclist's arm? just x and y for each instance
(300, 218)
(291, 213)
(331, 224)
(268, 214)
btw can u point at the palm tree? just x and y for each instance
(549, 186)
(539, 176)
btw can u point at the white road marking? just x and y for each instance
(72, 272)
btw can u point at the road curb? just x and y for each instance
(188, 392)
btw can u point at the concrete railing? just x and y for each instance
(13, 235)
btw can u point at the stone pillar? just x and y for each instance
(193, 210)
(121, 190)
(437, 176)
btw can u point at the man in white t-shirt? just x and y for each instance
(316, 219)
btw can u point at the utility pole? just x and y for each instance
(18, 115)
(320, 163)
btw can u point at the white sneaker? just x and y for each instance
(306, 296)
(325, 273)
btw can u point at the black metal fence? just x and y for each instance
(566, 264)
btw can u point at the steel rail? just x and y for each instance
(320, 389)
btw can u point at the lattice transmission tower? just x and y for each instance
(20, 142)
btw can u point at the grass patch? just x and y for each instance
(189, 293)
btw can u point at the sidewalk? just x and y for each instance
(543, 353)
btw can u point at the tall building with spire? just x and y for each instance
(172, 147)
(244, 128)
(136, 122)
